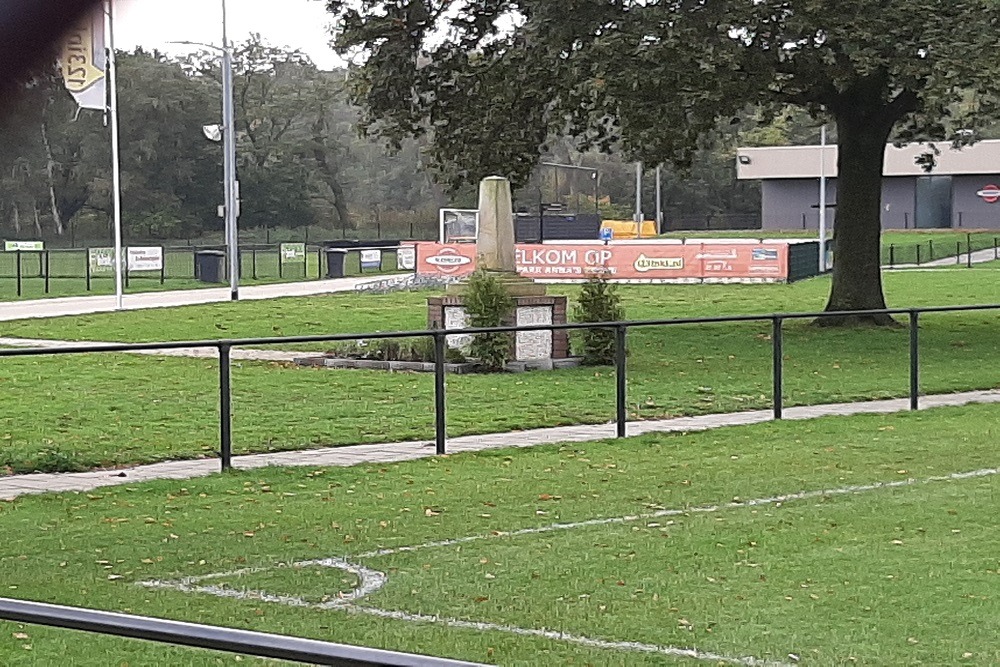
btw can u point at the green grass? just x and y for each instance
(898, 246)
(894, 576)
(67, 269)
(77, 412)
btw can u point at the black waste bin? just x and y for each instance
(335, 262)
(210, 266)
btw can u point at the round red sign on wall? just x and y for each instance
(990, 194)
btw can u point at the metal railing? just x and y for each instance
(895, 254)
(247, 642)
(37, 269)
(440, 336)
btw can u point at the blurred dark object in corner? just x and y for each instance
(29, 31)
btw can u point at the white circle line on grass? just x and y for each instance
(373, 580)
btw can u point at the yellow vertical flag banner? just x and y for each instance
(83, 61)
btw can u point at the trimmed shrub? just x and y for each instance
(599, 301)
(488, 304)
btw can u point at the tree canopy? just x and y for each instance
(490, 84)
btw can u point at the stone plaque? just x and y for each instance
(533, 345)
(455, 318)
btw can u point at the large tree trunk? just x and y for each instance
(857, 275)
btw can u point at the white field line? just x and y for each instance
(565, 637)
(373, 580)
(701, 509)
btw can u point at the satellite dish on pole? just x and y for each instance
(212, 132)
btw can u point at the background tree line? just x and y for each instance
(300, 158)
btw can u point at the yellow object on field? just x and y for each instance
(628, 229)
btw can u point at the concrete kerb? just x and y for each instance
(14, 486)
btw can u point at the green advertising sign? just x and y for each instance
(102, 260)
(14, 246)
(293, 253)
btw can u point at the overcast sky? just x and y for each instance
(152, 24)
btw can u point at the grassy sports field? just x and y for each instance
(67, 270)
(70, 413)
(861, 540)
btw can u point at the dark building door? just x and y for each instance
(933, 202)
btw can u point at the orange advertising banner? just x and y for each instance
(632, 261)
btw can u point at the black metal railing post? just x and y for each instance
(914, 360)
(253, 261)
(17, 258)
(777, 354)
(48, 271)
(968, 246)
(930, 249)
(225, 408)
(87, 250)
(958, 252)
(892, 256)
(440, 417)
(621, 387)
(918, 254)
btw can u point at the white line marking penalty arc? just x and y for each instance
(373, 580)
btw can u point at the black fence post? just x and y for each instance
(253, 261)
(319, 263)
(777, 353)
(17, 258)
(918, 254)
(87, 258)
(48, 266)
(621, 393)
(280, 263)
(914, 360)
(440, 422)
(968, 246)
(225, 408)
(958, 252)
(930, 249)
(892, 256)
(163, 267)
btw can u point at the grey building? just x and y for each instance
(963, 190)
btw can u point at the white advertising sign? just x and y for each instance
(406, 258)
(145, 259)
(371, 259)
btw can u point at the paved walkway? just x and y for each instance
(18, 485)
(82, 305)
(978, 257)
(239, 354)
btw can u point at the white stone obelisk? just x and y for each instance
(495, 245)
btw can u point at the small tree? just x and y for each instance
(488, 304)
(599, 301)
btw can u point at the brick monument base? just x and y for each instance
(448, 312)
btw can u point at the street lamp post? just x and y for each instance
(229, 163)
(230, 185)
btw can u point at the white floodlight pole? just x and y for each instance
(116, 196)
(822, 201)
(659, 200)
(638, 200)
(231, 203)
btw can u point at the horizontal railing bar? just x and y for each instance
(84, 348)
(215, 638)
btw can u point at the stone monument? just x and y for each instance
(495, 253)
